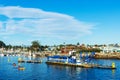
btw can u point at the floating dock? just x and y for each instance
(80, 65)
(29, 61)
(20, 60)
(69, 64)
(106, 67)
(33, 61)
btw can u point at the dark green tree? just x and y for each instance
(78, 43)
(2, 44)
(35, 46)
(8, 47)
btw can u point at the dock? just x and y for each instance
(70, 64)
(29, 61)
(33, 61)
(80, 65)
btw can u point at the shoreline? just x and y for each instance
(114, 55)
(107, 56)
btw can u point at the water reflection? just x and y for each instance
(75, 73)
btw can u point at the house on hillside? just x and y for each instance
(67, 49)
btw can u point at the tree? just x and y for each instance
(35, 46)
(2, 44)
(8, 47)
(78, 43)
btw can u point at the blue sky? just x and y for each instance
(58, 21)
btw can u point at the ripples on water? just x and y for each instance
(52, 72)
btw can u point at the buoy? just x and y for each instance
(8, 60)
(21, 68)
(113, 65)
(19, 59)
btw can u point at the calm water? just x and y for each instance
(49, 72)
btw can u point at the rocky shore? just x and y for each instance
(107, 56)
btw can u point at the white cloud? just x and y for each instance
(39, 23)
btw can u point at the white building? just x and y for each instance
(110, 49)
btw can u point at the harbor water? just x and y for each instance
(42, 71)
